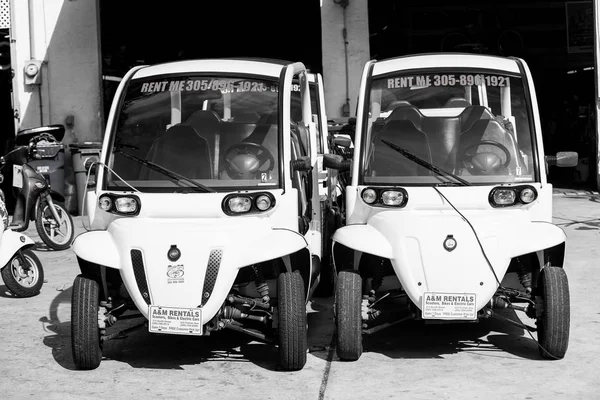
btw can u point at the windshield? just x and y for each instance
(219, 132)
(469, 124)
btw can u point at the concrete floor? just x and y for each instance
(489, 360)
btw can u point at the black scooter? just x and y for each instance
(36, 201)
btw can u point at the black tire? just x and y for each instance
(554, 322)
(348, 318)
(56, 239)
(293, 336)
(326, 286)
(24, 279)
(86, 345)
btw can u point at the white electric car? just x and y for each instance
(448, 212)
(206, 214)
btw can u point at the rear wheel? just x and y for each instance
(348, 319)
(85, 331)
(553, 319)
(23, 275)
(293, 340)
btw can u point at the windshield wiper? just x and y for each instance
(167, 172)
(426, 164)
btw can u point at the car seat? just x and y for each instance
(181, 150)
(388, 162)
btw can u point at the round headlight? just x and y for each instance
(239, 204)
(105, 203)
(263, 202)
(369, 196)
(527, 195)
(126, 205)
(504, 197)
(392, 197)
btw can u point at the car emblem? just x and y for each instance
(175, 271)
(173, 254)
(450, 243)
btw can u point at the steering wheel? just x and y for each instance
(484, 163)
(244, 160)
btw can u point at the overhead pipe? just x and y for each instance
(597, 88)
(346, 105)
(32, 53)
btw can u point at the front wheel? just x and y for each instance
(23, 275)
(554, 315)
(293, 337)
(348, 316)
(85, 329)
(57, 235)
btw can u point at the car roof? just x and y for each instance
(255, 66)
(445, 60)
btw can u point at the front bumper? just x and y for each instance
(212, 252)
(414, 243)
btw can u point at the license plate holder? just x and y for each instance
(175, 320)
(449, 306)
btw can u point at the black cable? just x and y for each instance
(494, 272)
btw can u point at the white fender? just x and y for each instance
(364, 238)
(11, 242)
(276, 243)
(97, 247)
(532, 237)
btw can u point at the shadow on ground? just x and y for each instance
(417, 340)
(141, 349)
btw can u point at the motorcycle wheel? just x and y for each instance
(58, 235)
(24, 279)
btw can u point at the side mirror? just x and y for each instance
(563, 159)
(301, 164)
(337, 162)
(342, 141)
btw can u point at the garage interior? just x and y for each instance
(554, 37)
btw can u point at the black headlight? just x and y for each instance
(385, 197)
(126, 204)
(506, 196)
(245, 203)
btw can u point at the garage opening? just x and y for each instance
(136, 31)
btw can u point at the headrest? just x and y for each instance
(399, 103)
(204, 121)
(410, 113)
(456, 102)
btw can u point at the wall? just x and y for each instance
(65, 38)
(340, 86)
